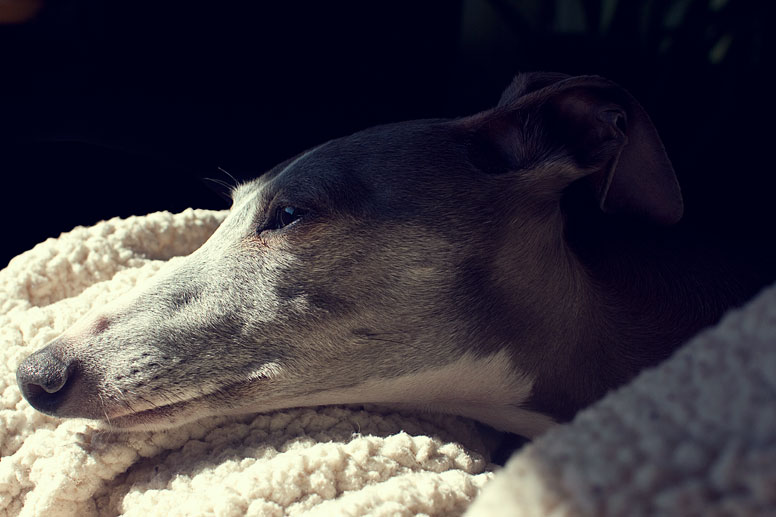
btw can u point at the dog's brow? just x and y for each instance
(238, 192)
(301, 157)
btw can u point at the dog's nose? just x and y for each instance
(44, 380)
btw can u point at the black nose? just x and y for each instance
(44, 379)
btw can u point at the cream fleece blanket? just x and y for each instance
(696, 436)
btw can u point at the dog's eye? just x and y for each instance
(287, 215)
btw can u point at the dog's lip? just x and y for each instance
(156, 415)
(164, 416)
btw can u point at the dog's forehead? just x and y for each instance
(373, 160)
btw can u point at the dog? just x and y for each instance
(511, 266)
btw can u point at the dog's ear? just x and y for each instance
(595, 127)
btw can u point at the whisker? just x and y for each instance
(105, 411)
(123, 400)
(235, 183)
(219, 182)
(224, 192)
(150, 404)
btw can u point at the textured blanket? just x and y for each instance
(694, 436)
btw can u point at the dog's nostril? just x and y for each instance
(51, 377)
(42, 378)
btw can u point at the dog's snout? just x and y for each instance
(44, 379)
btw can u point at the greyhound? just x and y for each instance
(511, 266)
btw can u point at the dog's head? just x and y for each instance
(422, 261)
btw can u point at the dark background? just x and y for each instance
(121, 107)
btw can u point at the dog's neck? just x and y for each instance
(606, 309)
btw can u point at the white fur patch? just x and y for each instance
(486, 389)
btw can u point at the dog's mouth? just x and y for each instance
(156, 418)
(221, 400)
(168, 415)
